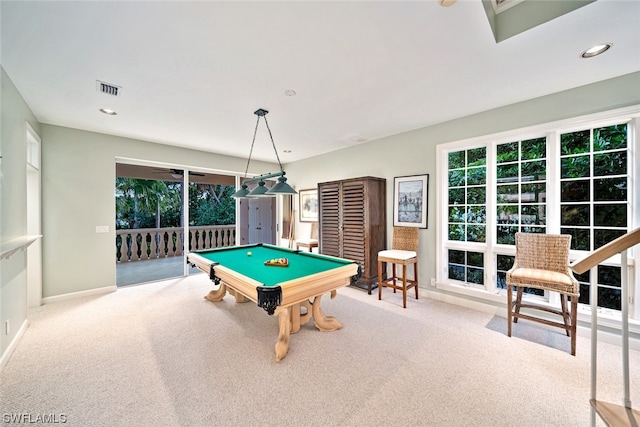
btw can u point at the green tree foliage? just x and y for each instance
(211, 205)
(144, 203)
(137, 200)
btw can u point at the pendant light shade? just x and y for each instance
(260, 191)
(242, 192)
(281, 187)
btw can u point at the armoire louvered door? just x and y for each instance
(353, 232)
(329, 218)
(352, 223)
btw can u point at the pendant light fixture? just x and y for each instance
(261, 190)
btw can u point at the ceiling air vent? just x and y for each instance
(108, 88)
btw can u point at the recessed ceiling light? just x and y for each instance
(108, 111)
(290, 92)
(596, 50)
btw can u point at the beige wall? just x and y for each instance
(14, 114)
(414, 152)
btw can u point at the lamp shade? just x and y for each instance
(259, 191)
(242, 192)
(282, 187)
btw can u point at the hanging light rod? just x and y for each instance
(261, 190)
(264, 176)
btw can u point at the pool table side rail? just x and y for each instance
(293, 291)
(241, 283)
(280, 248)
(298, 290)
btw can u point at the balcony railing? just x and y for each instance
(152, 243)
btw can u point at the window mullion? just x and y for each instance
(634, 215)
(553, 183)
(490, 255)
(553, 195)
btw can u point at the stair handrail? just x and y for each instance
(625, 414)
(605, 252)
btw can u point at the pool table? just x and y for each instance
(280, 290)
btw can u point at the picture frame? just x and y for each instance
(411, 201)
(308, 205)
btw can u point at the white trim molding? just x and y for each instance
(80, 294)
(13, 344)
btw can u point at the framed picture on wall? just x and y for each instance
(308, 205)
(410, 201)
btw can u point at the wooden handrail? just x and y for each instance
(8, 248)
(612, 248)
(612, 415)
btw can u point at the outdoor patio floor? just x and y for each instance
(132, 273)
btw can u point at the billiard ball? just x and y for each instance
(248, 253)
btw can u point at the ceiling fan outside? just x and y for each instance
(179, 173)
(124, 170)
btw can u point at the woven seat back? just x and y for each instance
(543, 251)
(405, 239)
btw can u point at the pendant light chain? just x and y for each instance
(255, 131)
(272, 143)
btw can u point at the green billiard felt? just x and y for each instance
(301, 264)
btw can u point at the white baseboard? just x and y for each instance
(466, 302)
(13, 344)
(74, 295)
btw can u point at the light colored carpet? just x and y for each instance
(160, 355)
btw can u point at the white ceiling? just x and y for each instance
(193, 73)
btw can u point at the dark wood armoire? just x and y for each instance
(352, 217)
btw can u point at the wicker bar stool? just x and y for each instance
(542, 262)
(404, 251)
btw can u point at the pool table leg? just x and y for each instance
(322, 322)
(237, 295)
(217, 294)
(297, 317)
(284, 322)
(290, 318)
